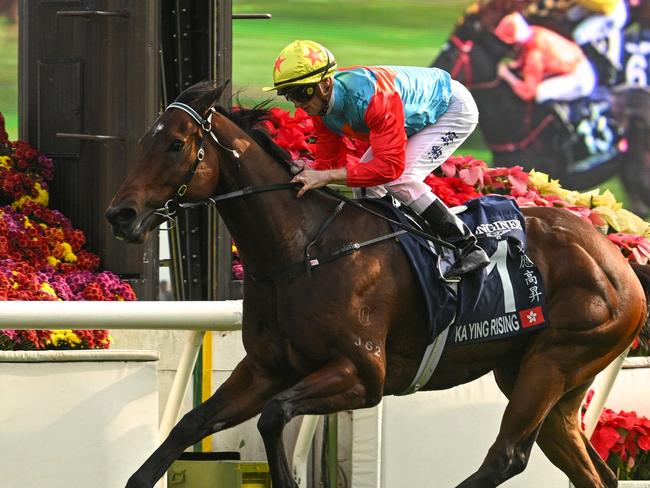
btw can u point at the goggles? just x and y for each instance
(300, 93)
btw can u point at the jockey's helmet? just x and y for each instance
(302, 63)
(513, 29)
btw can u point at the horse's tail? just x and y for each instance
(643, 273)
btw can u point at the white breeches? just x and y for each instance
(568, 87)
(429, 148)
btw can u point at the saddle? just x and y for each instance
(503, 299)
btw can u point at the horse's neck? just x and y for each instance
(270, 228)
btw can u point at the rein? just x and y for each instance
(464, 63)
(171, 206)
(526, 141)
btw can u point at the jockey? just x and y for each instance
(600, 19)
(552, 67)
(414, 119)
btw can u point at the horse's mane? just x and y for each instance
(248, 119)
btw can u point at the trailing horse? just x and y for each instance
(536, 136)
(307, 335)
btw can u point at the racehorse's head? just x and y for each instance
(171, 164)
(473, 51)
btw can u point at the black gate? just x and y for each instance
(89, 87)
(94, 74)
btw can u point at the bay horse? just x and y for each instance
(354, 329)
(529, 134)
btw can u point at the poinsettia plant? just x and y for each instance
(623, 440)
(41, 253)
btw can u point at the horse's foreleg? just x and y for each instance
(335, 387)
(238, 399)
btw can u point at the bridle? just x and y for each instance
(173, 203)
(169, 209)
(464, 64)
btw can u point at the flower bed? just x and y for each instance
(41, 253)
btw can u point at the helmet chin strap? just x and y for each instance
(325, 105)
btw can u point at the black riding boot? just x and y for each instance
(469, 255)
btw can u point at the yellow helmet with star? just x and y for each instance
(302, 63)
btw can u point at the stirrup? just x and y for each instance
(482, 260)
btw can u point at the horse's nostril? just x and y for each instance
(121, 216)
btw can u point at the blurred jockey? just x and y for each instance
(600, 19)
(552, 67)
(414, 119)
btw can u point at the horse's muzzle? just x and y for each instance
(126, 224)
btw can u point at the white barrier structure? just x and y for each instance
(76, 418)
(197, 316)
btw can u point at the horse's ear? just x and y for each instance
(210, 98)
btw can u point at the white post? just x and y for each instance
(303, 446)
(597, 403)
(181, 382)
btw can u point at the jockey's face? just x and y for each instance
(316, 104)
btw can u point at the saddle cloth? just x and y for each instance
(595, 133)
(503, 299)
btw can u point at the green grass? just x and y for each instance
(408, 32)
(358, 32)
(9, 77)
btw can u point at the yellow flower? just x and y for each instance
(63, 337)
(233, 248)
(47, 288)
(42, 198)
(68, 255)
(544, 184)
(52, 261)
(585, 199)
(607, 199)
(26, 222)
(623, 220)
(5, 162)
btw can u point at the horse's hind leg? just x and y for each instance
(562, 440)
(539, 384)
(335, 387)
(566, 446)
(238, 399)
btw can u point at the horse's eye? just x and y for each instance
(176, 146)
